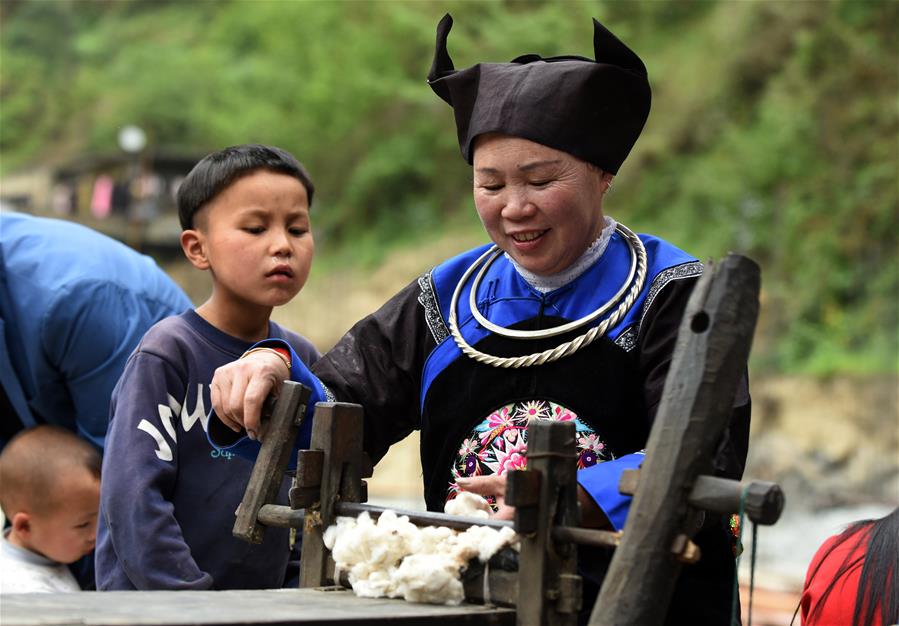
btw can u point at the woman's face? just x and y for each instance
(541, 206)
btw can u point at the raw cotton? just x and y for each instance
(396, 559)
(467, 504)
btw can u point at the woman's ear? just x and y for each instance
(606, 182)
(193, 242)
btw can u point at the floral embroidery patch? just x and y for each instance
(499, 442)
(733, 524)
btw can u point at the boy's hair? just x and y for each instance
(34, 460)
(216, 171)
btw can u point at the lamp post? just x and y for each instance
(132, 140)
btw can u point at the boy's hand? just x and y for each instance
(239, 389)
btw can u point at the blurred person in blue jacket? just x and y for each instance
(73, 305)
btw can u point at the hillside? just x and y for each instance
(773, 131)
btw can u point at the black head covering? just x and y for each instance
(593, 110)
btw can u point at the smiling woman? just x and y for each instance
(569, 316)
(542, 206)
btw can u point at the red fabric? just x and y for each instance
(282, 351)
(838, 607)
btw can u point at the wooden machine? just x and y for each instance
(671, 491)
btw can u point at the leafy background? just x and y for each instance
(773, 131)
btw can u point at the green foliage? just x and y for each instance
(773, 133)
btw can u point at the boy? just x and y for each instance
(167, 508)
(50, 493)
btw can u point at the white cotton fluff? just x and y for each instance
(396, 559)
(468, 504)
(430, 578)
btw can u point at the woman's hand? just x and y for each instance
(591, 515)
(492, 485)
(239, 389)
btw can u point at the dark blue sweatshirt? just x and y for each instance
(167, 497)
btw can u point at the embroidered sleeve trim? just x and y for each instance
(628, 339)
(428, 300)
(329, 395)
(678, 272)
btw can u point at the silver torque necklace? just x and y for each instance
(632, 286)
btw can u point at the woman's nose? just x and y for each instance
(518, 205)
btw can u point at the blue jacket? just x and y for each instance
(73, 305)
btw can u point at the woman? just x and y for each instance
(571, 316)
(851, 580)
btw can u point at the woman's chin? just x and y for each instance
(537, 265)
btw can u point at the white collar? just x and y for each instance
(545, 284)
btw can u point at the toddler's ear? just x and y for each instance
(193, 242)
(21, 524)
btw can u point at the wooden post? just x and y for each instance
(271, 463)
(337, 431)
(549, 589)
(709, 359)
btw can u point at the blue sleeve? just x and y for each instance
(240, 444)
(601, 482)
(140, 544)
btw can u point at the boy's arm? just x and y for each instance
(138, 537)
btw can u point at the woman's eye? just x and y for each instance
(297, 232)
(492, 187)
(254, 230)
(540, 183)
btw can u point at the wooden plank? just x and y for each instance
(709, 359)
(271, 463)
(336, 430)
(237, 608)
(499, 588)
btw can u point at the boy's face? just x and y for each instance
(257, 239)
(68, 531)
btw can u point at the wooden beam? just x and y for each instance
(709, 359)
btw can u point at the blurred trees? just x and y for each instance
(774, 126)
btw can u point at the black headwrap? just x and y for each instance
(593, 110)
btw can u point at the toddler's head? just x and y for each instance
(50, 492)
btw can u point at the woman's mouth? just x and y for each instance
(528, 236)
